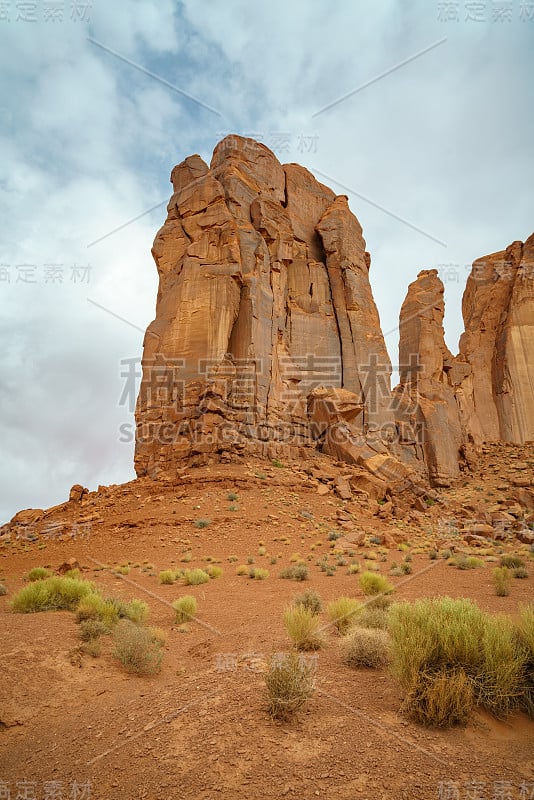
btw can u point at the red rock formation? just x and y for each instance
(486, 393)
(426, 403)
(497, 396)
(263, 297)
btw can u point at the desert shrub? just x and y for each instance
(202, 523)
(91, 629)
(72, 573)
(123, 569)
(525, 634)
(520, 572)
(95, 608)
(432, 554)
(185, 607)
(38, 574)
(405, 568)
(167, 576)
(353, 569)
(299, 572)
(303, 627)
(134, 610)
(441, 699)
(341, 613)
(468, 562)
(511, 561)
(289, 683)
(370, 583)
(258, 573)
(137, 649)
(310, 600)
(214, 571)
(232, 497)
(499, 682)
(501, 578)
(3, 590)
(372, 617)
(242, 570)
(194, 577)
(262, 550)
(159, 635)
(364, 647)
(443, 647)
(92, 647)
(51, 594)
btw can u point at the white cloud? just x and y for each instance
(88, 142)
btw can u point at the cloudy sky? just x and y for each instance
(420, 111)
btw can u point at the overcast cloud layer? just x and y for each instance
(436, 157)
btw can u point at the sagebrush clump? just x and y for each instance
(341, 613)
(289, 680)
(366, 647)
(304, 628)
(137, 649)
(185, 607)
(448, 655)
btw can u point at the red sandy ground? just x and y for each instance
(199, 730)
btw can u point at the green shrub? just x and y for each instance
(299, 572)
(511, 561)
(194, 577)
(353, 569)
(96, 608)
(135, 610)
(303, 627)
(371, 583)
(441, 699)
(500, 680)
(258, 574)
(202, 523)
(185, 607)
(289, 682)
(137, 649)
(341, 613)
(502, 578)
(525, 633)
(370, 617)
(520, 572)
(448, 654)
(38, 574)
(51, 594)
(232, 497)
(310, 600)
(91, 629)
(214, 571)
(364, 647)
(468, 562)
(167, 576)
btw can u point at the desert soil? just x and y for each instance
(81, 727)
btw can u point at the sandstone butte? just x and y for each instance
(267, 339)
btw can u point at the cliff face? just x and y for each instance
(426, 404)
(264, 297)
(497, 398)
(267, 339)
(486, 393)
